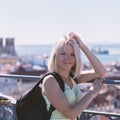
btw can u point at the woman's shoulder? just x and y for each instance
(50, 81)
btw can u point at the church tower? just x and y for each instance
(10, 46)
(1, 45)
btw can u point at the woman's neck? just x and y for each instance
(64, 74)
(66, 77)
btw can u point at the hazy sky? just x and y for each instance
(44, 21)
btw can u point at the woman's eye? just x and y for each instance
(67, 55)
(72, 54)
(63, 53)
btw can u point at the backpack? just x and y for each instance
(32, 106)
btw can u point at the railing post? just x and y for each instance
(85, 116)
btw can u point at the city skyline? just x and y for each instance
(43, 22)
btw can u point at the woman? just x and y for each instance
(65, 59)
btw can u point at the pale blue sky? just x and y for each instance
(44, 21)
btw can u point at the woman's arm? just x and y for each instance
(58, 99)
(99, 70)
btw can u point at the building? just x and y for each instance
(7, 51)
(1, 45)
(10, 46)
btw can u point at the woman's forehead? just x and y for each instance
(66, 47)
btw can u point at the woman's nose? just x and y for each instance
(67, 56)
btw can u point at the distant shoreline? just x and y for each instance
(96, 44)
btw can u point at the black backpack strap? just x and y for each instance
(57, 77)
(41, 79)
(60, 82)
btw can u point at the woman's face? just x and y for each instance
(65, 57)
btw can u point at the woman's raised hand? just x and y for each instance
(75, 37)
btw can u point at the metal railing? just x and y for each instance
(86, 114)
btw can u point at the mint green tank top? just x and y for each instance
(73, 94)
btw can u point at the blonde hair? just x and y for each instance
(76, 70)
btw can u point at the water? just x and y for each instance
(23, 50)
(114, 53)
(27, 50)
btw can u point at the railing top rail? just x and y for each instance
(38, 77)
(20, 76)
(101, 113)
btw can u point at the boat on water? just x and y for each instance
(100, 51)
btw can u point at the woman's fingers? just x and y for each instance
(97, 85)
(71, 35)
